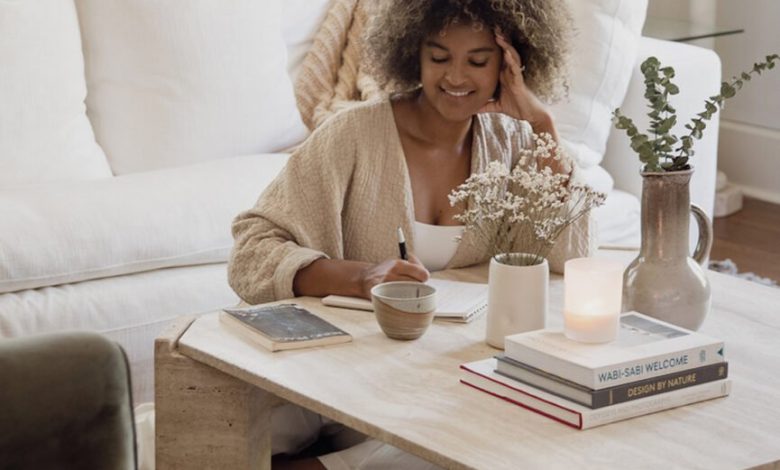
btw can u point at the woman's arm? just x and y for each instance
(297, 219)
(515, 98)
(354, 278)
(291, 243)
(518, 101)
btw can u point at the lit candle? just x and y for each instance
(592, 301)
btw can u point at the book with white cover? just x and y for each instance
(455, 300)
(645, 347)
(481, 375)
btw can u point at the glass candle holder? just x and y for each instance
(593, 299)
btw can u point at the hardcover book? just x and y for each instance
(645, 348)
(481, 375)
(455, 300)
(611, 395)
(283, 326)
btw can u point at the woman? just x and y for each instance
(466, 69)
(468, 77)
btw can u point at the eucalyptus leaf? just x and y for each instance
(727, 90)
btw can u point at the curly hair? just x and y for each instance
(540, 30)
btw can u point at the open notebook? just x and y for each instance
(455, 300)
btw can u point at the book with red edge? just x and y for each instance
(481, 376)
(645, 348)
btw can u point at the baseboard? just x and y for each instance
(757, 193)
(750, 157)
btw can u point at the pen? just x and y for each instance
(402, 244)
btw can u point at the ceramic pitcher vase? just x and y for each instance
(665, 281)
(517, 296)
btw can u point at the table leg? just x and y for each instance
(205, 418)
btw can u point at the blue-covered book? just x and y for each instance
(283, 326)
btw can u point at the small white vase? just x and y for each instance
(517, 297)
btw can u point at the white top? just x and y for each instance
(435, 245)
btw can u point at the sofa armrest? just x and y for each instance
(698, 75)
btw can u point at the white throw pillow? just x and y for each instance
(605, 48)
(44, 132)
(72, 232)
(173, 82)
(618, 220)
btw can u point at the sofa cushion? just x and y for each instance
(175, 82)
(44, 131)
(64, 233)
(132, 310)
(618, 220)
(605, 49)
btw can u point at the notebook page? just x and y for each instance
(458, 299)
(455, 300)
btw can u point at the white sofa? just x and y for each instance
(132, 132)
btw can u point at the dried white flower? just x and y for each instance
(527, 208)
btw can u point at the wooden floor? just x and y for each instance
(751, 238)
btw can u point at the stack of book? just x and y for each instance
(651, 366)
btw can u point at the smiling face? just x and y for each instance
(459, 70)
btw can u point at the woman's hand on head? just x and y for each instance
(392, 270)
(515, 98)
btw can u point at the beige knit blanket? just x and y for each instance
(331, 77)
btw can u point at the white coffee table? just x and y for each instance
(214, 393)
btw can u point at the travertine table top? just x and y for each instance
(408, 394)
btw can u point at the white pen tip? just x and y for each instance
(401, 238)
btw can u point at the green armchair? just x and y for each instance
(65, 403)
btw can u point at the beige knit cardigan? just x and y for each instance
(344, 192)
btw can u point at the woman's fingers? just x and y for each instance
(511, 56)
(414, 259)
(412, 269)
(392, 270)
(404, 278)
(515, 62)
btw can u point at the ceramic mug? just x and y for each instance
(404, 309)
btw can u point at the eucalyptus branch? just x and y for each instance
(658, 153)
(716, 103)
(658, 87)
(640, 142)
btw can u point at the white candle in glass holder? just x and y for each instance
(592, 301)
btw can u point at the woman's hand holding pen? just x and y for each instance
(392, 270)
(356, 278)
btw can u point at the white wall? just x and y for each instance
(749, 148)
(702, 10)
